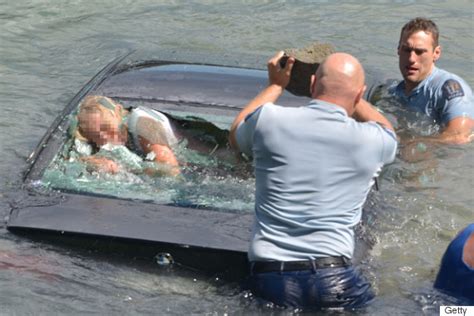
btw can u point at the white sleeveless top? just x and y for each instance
(151, 125)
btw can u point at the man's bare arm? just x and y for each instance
(457, 131)
(278, 80)
(365, 112)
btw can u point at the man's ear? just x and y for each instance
(359, 95)
(436, 53)
(312, 85)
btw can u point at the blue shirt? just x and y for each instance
(442, 96)
(314, 167)
(454, 275)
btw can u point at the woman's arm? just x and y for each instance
(163, 154)
(101, 164)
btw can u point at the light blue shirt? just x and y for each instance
(314, 167)
(442, 96)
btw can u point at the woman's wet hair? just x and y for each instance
(101, 105)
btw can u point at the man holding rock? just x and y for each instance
(314, 166)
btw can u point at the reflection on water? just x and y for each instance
(60, 277)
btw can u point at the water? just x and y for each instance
(50, 49)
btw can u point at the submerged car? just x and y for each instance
(201, 219)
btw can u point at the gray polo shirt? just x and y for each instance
(314, 167)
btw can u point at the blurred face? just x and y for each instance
(416, 58)
(101, 129)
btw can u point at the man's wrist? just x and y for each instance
(276, 87)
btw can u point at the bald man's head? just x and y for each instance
(340, 80)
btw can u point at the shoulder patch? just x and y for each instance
(452, 89)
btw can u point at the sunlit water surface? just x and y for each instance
(50, 49)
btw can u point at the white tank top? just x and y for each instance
(151, 125)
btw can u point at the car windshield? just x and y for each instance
(212, 176)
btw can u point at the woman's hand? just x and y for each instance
(101, 164)
(164, 155)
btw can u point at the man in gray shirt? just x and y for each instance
(314, 166)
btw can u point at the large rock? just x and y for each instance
(307, 61)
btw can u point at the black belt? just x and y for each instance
(319, 263)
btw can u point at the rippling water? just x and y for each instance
(49, 49)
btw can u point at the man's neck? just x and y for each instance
(337, 101)
(410, 85)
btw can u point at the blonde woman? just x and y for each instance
(102, 121)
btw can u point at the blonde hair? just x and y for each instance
(101, 105)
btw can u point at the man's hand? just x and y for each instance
(277, 75)
(365, 112)
(278, 80)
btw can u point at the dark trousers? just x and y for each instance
(314, 288)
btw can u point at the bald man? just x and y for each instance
(314, 166)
